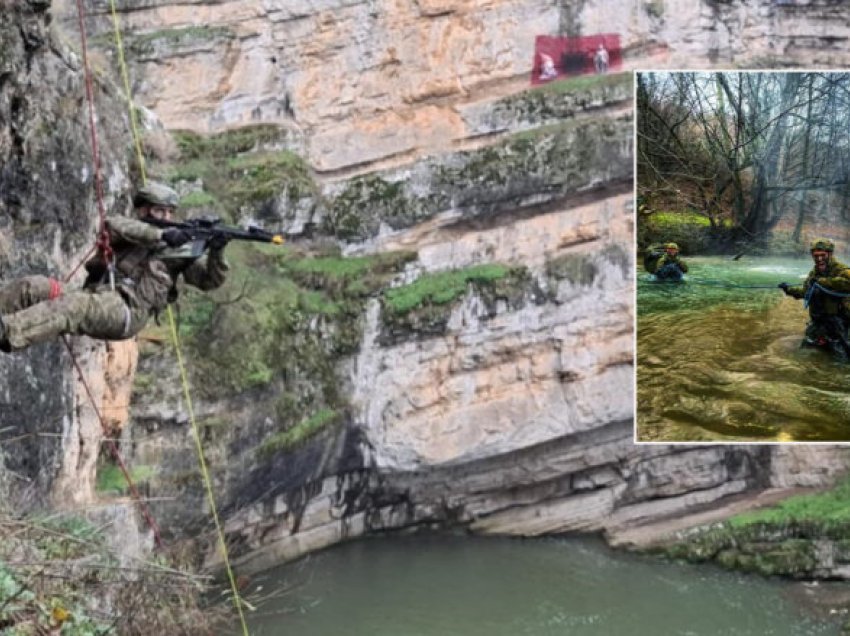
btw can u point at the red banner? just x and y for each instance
(558, 57)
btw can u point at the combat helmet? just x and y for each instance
(671, 246)
(153, 193)
(822, 244)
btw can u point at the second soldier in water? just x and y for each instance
(665, 265)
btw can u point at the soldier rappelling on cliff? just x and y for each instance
(132, 277)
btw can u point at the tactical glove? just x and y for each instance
(784, 287)
(175, 237)
(218, 242)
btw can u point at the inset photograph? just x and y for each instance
(743, 234)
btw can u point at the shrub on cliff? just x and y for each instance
(58, 575)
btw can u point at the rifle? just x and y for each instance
(202, 230)
(205, 228)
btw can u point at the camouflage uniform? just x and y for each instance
(34, 309)
(665, 265)
(669, 262)
(826, 312)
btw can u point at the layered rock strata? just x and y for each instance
(510, 411)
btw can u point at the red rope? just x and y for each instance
(113, 447)
(102, 243)
(103, 246)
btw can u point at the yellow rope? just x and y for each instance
(203, 463)
(237, 600)
(119, 45)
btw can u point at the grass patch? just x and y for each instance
(111, 479)
(344, 277)
(672, 220)
(298, 434)
(259, 177)
(690, 230)
(830, 507)
(195, 314)
(440, 288)
(198, 199)
(583, 83)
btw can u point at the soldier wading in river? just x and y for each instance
(827, 292)
(665, 265)
(113, 305)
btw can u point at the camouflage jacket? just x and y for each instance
(836, 278)
(666, 259)
(146, 270)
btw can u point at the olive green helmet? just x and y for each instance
(153, 193)
(671, 246)
(822, 244)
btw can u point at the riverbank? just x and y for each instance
(695, 234)
(802, 537)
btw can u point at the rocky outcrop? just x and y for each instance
(50, 434)
(390, 79)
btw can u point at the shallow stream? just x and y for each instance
(717, 360)
(462, 586)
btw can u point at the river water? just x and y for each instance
(462, 586)
(716, 362)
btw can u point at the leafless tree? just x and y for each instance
(750, 148)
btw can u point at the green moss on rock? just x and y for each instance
(241, 167)
(579, 269)
(788, 539)
(562, 99)
(425, 305)
(357, 212)
(298, 434)
(281, 322)
(145, 44)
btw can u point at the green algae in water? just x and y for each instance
(718, 361)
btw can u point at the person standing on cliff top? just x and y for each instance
(827, 293)
(666, 265)
(547, 68)
(147, 262)
(600, 59)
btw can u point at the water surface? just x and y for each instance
(461, 586)
(719, 361)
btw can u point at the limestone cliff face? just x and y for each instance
(744, 33)
(506, 411)
(50, 435)
(362, 80)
